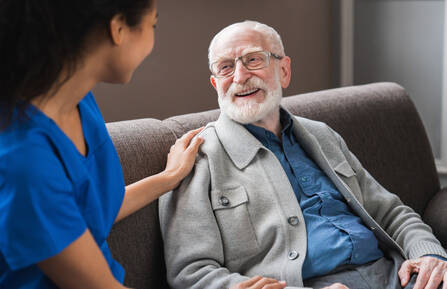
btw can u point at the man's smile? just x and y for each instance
(249, 92)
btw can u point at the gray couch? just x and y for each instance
(378, 121)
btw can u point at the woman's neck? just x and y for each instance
(63, 103)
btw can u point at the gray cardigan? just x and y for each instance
(228, 220)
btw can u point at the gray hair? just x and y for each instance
(270, 34)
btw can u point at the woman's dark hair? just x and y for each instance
(41, 38)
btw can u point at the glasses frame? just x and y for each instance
(268, 53)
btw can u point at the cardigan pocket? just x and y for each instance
(233, 218)
(349, 177)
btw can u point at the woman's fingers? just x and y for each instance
(194, 145)
(187, 137)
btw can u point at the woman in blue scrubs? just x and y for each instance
(61, 184)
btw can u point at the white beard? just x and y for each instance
(250, 111)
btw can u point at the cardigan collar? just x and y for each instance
(242, 146)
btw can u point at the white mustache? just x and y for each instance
(253, 83)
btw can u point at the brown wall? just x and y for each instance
(174, 79)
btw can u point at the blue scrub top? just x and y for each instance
(50, 193)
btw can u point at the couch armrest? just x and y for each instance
(436, 215)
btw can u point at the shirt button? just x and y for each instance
(293, 255)
(224, 201)
(304, 179)
(293, 220)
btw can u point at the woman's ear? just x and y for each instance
(117, 29)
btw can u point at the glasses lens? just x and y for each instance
(255, 60)
(223, 68)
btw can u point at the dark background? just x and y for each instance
(174, 79)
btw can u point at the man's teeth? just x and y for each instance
(247, 92)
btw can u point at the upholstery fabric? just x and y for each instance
(435, 215)
(136, 243)
(381, 126)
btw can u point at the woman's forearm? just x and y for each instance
(143, 192)
(81, 265)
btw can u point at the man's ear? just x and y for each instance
(117, 29)
(285, 71)
(213, 82)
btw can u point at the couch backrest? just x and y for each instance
(378, 121)
(142, 146)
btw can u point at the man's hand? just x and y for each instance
(431, 272)
(259, 282)
(336, 286)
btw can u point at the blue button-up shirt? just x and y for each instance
(335, 236)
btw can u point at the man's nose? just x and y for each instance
(241, 73)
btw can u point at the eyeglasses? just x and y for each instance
(251, 61)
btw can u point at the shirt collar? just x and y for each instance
(241, 145)
(266, 136)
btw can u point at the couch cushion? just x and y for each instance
(183, 123)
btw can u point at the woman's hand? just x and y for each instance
(182, 156)
(181, 159)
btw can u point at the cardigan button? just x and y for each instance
(293, 255)
(294, 221)
(224, 201)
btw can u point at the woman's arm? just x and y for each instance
(80, 265)
(181, 160)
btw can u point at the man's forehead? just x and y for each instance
(233, 52)
(238, 42)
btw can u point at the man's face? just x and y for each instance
(248, 96)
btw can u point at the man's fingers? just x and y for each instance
(259, 282)
(250, 281)
(444, 281)
(336, 286)
(263, 282)
(278, 285)
(435, 279)
(405, 273)
(422, 278)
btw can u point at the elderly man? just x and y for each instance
(277, 200)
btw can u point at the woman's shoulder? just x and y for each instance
(27, 152)
(91, 104)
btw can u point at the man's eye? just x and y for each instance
(254, 59)
(225, 67)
